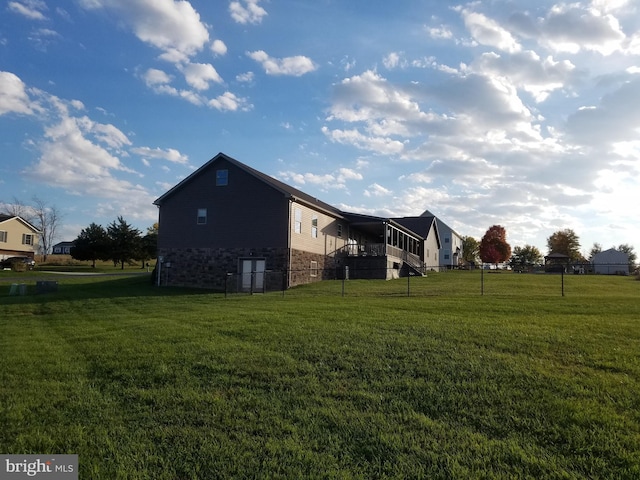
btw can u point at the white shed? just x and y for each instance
(611, 262)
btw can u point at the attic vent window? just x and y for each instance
(222, 178)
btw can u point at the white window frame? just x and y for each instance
(3, 236)
(27, 239)
(314, 226)
(313, 269)
(199, 216)
(297, 220)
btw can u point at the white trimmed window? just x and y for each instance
(313, 271)
(339, 230)
(297, 220)
(314, 226)
(27, 239)
(3, 236)
(202, 216)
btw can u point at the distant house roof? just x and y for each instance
(610, 255)
(5, 218)
(440, 224)
(64, 244)
(420, 225)
(556, 256)
(287, 190)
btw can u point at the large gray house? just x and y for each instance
(228, 220)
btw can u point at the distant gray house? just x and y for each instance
(227, 219)
(62, 248)
(611, 262)
(450, 254)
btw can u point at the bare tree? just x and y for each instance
(47, 219)
(17, 209)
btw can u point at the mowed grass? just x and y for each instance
(148, 383)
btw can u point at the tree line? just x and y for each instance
(119, 242)
(494, 248)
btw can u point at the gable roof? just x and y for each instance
(6, 218)
(287, 190)
(420, 225)
(611, 253)
(441, 225)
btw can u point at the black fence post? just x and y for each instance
(482, 279)
(562, 280)
(226, 283)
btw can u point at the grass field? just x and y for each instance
(147, 383)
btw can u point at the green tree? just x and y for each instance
(92, 244)
(628, 249)
(470, 250)
(149, 244)
(523, 258)
(565, 242)
(124, 242)
(596, 249)
(493, 245)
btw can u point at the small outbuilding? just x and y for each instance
(611, 262)
(556, 262)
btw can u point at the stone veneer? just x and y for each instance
(209, 267)
(301, 267)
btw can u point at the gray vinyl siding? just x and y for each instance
(244, 213)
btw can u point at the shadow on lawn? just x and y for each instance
(83, 288)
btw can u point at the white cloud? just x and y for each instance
(529, 72)
(394, 60)
(229, 102)
(169, 154)
(574, 27)
(171, 26)
(296, 66)
(31, 9)
(247, 11)
(245, 77)
(198, 75)
(218, 47)
(376, 190)
(13, 95)
(488, 32)
(154, 77)
(440, 32)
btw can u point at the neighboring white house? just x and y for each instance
(611, 262)
(450, 253)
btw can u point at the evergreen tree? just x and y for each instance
(124, 242)
(92, 244)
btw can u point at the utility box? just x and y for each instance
(46, 286)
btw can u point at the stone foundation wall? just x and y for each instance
(301, 272)
(208, 267)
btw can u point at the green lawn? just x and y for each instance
(151, 383)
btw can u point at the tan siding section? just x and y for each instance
(327, 242)
(15, 229)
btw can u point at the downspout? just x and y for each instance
(289, 255)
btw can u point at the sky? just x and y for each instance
(516, 113)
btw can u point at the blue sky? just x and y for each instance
(523, 114)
